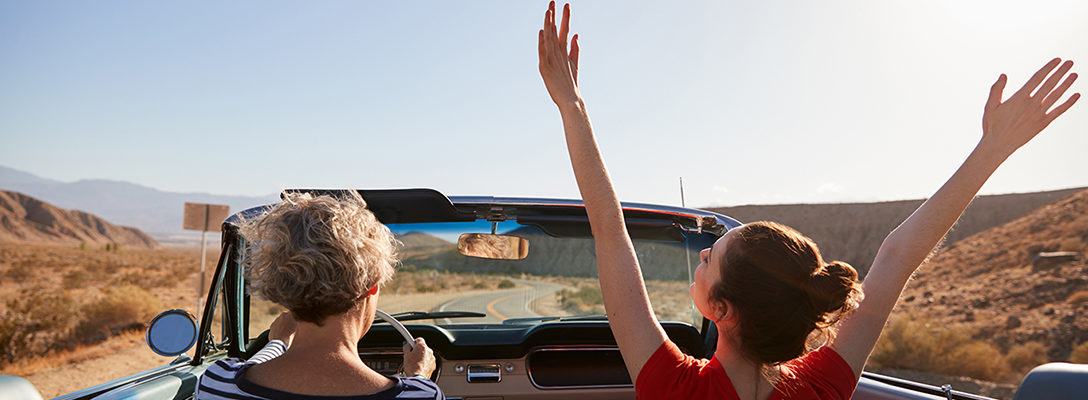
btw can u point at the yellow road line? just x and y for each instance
(491, 305)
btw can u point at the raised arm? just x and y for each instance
(1005, 127)
(630, 316)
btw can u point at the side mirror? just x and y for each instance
(498, 247)
(171, 333)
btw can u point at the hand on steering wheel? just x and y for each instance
(418, 358)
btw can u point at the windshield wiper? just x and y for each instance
(534, 320)
(594, 317)
(414, 315)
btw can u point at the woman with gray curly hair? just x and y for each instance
(324, 259)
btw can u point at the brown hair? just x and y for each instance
(318, 255)
(782, 291)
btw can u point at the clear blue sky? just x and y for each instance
(751, 102)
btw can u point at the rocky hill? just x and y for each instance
(26, 219)
(1022, 281)
(852, 232)
(151, 210)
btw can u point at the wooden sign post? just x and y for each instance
(204, 218)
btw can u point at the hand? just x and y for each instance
(418, 361)
(558, 67)
(1010, 124)
(283, 328)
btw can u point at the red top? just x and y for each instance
(671, 374)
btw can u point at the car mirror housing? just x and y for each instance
(171, 333)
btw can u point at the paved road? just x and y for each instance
(502, 304)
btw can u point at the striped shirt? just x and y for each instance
(225, 380)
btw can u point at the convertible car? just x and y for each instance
(504, 290)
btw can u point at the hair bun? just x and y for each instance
(835, 290)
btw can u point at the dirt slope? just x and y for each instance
(997, 282)
(852, 232)
(26, 219)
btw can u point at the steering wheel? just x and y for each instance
(398, 326)
(262, 339)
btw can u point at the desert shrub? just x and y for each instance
(506, 284)
(147, 279)
(915, 343)
(20, 271)
(1080, 354)
(75, 278)
(977, 359)
(1078, 297)
(584, 299)
(35, 322)
(1071, 244)
(1023, 357)
(118, 309)
(479, 285)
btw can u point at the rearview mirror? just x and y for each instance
(171, 333)
(497, 247)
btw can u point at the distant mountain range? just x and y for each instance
(156, 212)
(850, 232)
(26, 219)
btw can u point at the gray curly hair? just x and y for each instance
(318, 255)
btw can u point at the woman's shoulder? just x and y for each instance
(418, 387)
(225, 370)
(670, 373)
(823, 357)
(224, 379)
(220, 379)
(821, 372)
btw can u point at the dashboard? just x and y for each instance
(509, 362)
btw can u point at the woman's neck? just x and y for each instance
(746, 375)
(338, 337)
(322, 360)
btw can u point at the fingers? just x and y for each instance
(564, 28)
(540, 46)
(1057, 93)
(1053, 81)
(420, 345)
(1060, 109)
(995, 92)
(1033, 83)
(574, 50)
(549, 21)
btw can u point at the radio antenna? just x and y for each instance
(687, 246)
(682, 192)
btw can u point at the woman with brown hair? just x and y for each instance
(764, 285)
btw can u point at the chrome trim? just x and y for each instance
(529, 369)
(484, 373)
(138, 377)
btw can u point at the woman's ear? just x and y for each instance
(725, 311)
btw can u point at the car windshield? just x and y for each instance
(556, 279)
